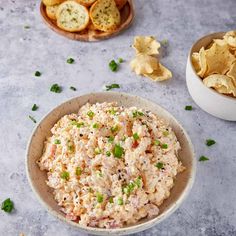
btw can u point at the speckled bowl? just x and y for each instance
(216, 104)
(37, 178)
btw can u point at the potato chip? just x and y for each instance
(160, 74)
(230, 38)
(202, 62)
(146, 45)
(220, 42)
(144, 64)
(232, 73)
(221, 83)
(218, 59)
(196, 62)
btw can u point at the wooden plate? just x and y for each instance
(127, 16)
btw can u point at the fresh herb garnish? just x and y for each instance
(108, 153)
(78, 171)
(135, 136)
(65, 175)
(138, 181)
(37, 73)
(137, 113)
(114, 129)
(210, 142)
(156, 142)
(57, 141)
(70, 60)
(120, 201)
(203, 158)
(159, 165)
(120, 60)
(27, 27)
(7, 205)
(113, 66)
(118, 151)
(99, 197)
(112, 86)
(90, 114)
(188, 108)
(110, 139)
(164, 146)
(34, 107)
(55, 88)
(72, 88)
(32, 118)
(95, 126)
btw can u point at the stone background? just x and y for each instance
(210, 208)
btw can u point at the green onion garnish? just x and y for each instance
(135, 136)
(57, 141)
(37, 73)
(32, 118)
(156, 142)
(7, 205)
(210, 142)
(65, 175)
(118, 151)
(55, 88)
(99, 197)
(120, 201)
(78, 171)
(110, 139)
(34, 107)
(113, 66)
(203, 158)
(70, 60)
(159, 165)
(188, 108)
(108, 153)
(95, 126)
(112, 86)
(72, 88)
(164, 146)
(90, 114)
(120, 60)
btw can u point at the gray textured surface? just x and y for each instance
(210, 208)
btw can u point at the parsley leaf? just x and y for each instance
(7, 205)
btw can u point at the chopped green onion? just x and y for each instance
(111, 200)
(137, 113)
(113, 66)
(156, 142)
(72, 88)
(7, 205)
(65, 175)
(110, 139)
(95, 126)
(90, 114)
(26, 27)
(37, 73)
(112, 111)
(114, 129)
(210, 142)
(108, 153)
(203, 158)
(97, 151)
(138, 181)
(99, 197)
(120, 60)
(135, 136)
(32, 118)
(120, 201)
(112, 86)
(165, 133)
(70, 60)
(188, 108)
(34, 107)
(55, 88)
(159, 165)
(78, 171)
(164, 146)
(118, 151)
(57, 141)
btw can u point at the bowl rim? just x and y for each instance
(128, 229)
(216, 34)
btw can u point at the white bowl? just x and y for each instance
(208, 99)
(37, 178)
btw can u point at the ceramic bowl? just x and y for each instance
(37, 178)
(216, 104)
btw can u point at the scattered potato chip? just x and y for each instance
(142, 64)
(160, 74)
(146, 45)
(221, 83)
(230, 38)
(218, 59)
